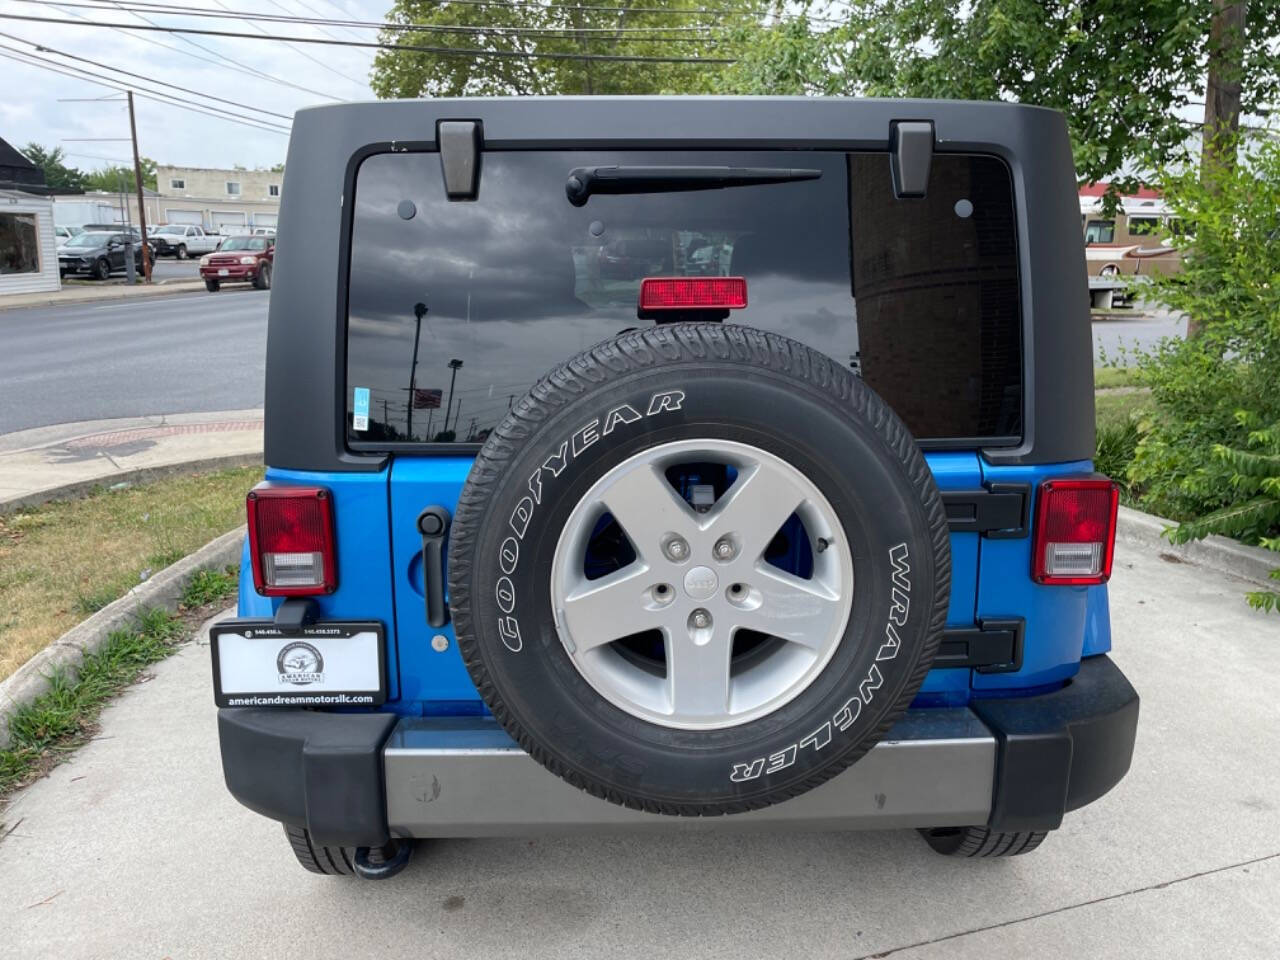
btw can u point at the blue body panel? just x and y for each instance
(363, 555)
(955, 471)
(380, 577)
(1054, 616)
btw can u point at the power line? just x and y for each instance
(30, 59)
(221, 58)
(409, 48)
(569, 32)
(40, 48)
(302, 53)
(667, 11)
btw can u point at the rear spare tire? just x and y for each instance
(699, 569)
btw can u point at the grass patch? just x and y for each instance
(207, 586)
(1108, 378)
(60, 562)
(65, 715)
(1116, 410)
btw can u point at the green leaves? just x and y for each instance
(560, 47)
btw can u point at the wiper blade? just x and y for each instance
(584, 181)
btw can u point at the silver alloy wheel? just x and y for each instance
(701, 596)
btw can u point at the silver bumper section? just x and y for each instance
(464, 777)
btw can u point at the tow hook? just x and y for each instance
(382, 863)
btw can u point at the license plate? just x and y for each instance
(257, 664)
(224, 272)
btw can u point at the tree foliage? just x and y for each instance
(111, 177)
(56, 173)
(1230, 285)
(64, 177)
(544, 48)
(1127, 73)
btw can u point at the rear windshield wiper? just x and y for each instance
(584, 181)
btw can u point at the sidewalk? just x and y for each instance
(105, 291)
(63, 460)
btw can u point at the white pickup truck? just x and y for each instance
(182, 241)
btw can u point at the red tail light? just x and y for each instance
(1075, 531)
(291, 540)
(693, 293)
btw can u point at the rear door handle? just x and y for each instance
(433, 525)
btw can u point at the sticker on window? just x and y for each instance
(360, 413)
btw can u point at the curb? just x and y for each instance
(79, 488)
(68, 651)
(142, 291)
(1253, 564)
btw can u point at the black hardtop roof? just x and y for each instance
(306, 361)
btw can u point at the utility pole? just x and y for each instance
(453, 366)
(137, 179)
(419, 311)
(456, 414)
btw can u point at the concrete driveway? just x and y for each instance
(133, 849)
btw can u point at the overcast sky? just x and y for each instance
(30, 109)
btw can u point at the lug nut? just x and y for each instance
(723, 549)
(677, 549)
(701, 619)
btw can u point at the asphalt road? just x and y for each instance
(188, 353)
(194, 353)
(134, 849)
(1116, 338)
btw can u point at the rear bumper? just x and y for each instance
(356, 779)
(234, 273)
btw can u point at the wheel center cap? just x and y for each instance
(700, 583)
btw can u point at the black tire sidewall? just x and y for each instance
(540, 692)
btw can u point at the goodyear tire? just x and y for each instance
(664, 649)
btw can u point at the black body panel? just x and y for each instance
(1061, 750)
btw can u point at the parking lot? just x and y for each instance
(134, 848)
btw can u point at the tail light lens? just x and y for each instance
(291, 540)
(693, 293)
(1075, 531)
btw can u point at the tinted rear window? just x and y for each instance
(920, 296)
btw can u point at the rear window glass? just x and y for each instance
(456, 308)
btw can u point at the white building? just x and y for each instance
(28, 248)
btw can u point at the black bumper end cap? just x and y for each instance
(1062, 750)
(322, 771)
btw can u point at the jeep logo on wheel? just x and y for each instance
(300, 663)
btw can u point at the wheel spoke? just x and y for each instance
(646, 506)
(698, 674)
(756, 506)
(597, 612)
(805, 612)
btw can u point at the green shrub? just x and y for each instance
(1255, 475)
(1229, 288)
(1116, 446)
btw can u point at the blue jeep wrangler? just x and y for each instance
(641, 459)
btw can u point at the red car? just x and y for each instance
(239, 260)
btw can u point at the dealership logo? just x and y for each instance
(300, 663)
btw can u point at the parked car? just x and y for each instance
(239, 260)
(63, 234)
(182, 240)
(840, 562)
(96, 253)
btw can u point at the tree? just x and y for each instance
(1125, 72)
(562, 47)
(111, 177)
(56, 173)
